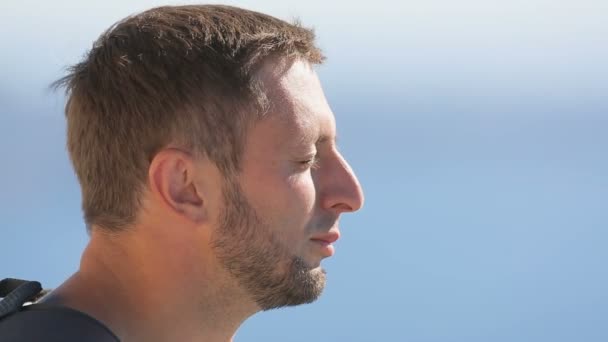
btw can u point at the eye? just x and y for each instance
(311, 163)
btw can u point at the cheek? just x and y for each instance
(286, 202)
(301, 189)
(293, 205)
(298, 211)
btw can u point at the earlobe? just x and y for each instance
(172, 180)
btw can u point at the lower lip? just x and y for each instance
(326, 247)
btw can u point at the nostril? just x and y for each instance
(342, 207)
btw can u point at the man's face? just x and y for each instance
(281, 212)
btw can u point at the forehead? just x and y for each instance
(297, 101)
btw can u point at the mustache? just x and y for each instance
(323, 224)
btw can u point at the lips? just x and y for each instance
(324, 241)
(327, 238)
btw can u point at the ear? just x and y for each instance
(171, 177)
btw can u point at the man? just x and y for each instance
(211, 181)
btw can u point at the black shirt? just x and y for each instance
(52, 323)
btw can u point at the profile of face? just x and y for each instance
(280, 215)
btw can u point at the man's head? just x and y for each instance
(212, 118)
(180, 76)
(296, 183)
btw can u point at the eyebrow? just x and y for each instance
(324, 138)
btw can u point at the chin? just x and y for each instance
(302, 285)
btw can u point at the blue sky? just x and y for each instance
(477, 129)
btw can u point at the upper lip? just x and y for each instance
(329, 237)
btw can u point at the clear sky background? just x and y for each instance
(478, 129)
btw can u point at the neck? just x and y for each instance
(141, 294)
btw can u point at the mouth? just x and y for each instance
(325, 242)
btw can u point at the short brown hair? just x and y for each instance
(170, 75)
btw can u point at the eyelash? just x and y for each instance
(311, 163)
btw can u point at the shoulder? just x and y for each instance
(40, 322)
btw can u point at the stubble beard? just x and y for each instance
(250, 251)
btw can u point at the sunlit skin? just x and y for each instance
(165, 279)
(295, 174)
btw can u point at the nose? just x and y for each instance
(341, 191)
